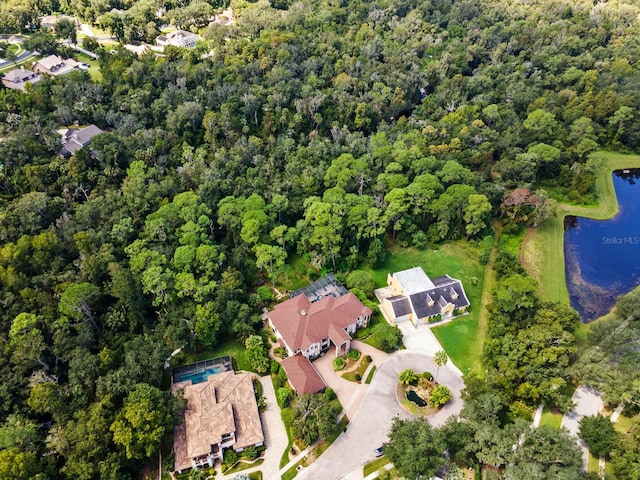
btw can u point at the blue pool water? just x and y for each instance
(602, 257)
(199, 376)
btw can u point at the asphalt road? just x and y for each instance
(371, 423)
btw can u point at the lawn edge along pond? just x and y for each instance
(542, 251)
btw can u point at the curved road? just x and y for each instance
(371, 423)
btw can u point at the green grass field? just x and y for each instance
(94, 65)
(551, 419)
(462, 338)
(542, 251)
(234, 348)
(375, 465)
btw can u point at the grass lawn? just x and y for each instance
(295, 276)
(551, 419)
(623, 424)
(94, 65)
(374, 466)
(542, 251)
(462, 338)
(370, 376)
(234, 348)
(362, 367)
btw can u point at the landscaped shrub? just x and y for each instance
(427, 375)
(368, 358)
(329, 394)
(385, 337)
(273, 367)
(279, 352)
(408, 377)
(435, 318)
(251, 452)
(284, 397)
(439, 396)
(338, 363)
(230, 457)
(358, 377)
(265, 293)
(353, 354)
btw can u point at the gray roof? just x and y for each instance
(446, 288)
(414, 280)
(400, 305)
(74, 139)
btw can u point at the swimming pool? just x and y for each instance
(198, 376)
(200, 371)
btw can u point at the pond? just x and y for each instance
(413, 396)
(602, 257)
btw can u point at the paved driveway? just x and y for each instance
(370, 425)
(588, 403)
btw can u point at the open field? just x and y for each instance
(542, 251)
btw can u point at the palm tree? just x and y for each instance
(441, 358)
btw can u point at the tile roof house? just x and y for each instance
(74, 139)
(19, 77)
(412, 295)
(177, 38)
(55, 65)
(221, 412)
(302, 375)
(310, 328)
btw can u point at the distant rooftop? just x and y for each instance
(328, 285)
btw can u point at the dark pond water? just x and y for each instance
(413, 396)
(602, 257)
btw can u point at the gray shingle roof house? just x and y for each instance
(19, 77)
(74, 139)
(412, 295)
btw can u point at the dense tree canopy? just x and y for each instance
(320, 131)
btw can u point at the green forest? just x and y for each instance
(321, 133)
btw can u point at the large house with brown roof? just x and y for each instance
(221, 413)
(412, 295)
(309, 329)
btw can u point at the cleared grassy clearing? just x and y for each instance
(542, 251)
(462, 338)
(551, 419)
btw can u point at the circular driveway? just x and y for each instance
(370, 426)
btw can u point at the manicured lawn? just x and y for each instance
(624, 424)
(551, 419)
(370, 376)
(374, 466)
(542, 251)
(234, 348)
(94, 66)
(461, 338)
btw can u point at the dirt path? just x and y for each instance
(487, 289)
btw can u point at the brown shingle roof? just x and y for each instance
(302, 323)
(224, 404)
(302, 375)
